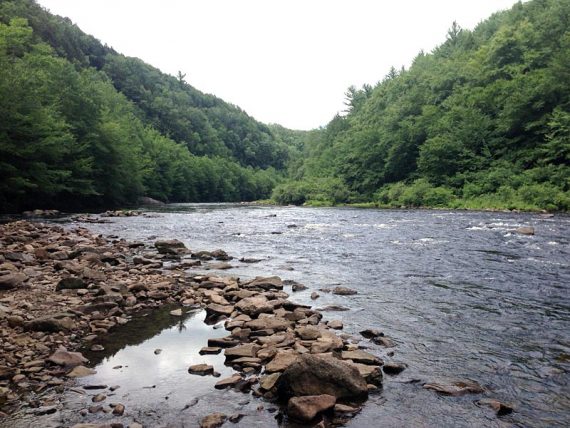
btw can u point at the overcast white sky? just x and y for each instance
(283, 61)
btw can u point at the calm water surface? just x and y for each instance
(460, 293)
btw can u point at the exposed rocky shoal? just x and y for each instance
(60, 289)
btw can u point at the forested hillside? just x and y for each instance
(83, 126)
(483, 121)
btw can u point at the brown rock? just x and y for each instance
(247, 350)
(316, 375)
(215, 420)
(344, 291)
(455, 387)
(308, 332)
(394, 368)
(281, 361)
(98, 398)
(215, 309)
(269, 381)
(63, 357)
(228, 382)
(210, 350)
(254, 306)
(12, 280)
(118, 410)
(266, 283)
(70, 283)
(268, 323)
(362, 357)
(498, 406)
(525, 230)
(201, 369)
(81, 371)
(308, 407)
(335, 324)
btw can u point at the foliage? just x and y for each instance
(82, 126)
(483, 119)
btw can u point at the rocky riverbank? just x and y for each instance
(62, 289)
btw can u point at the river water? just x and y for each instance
(460, 293)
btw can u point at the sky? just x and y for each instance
(282, 61)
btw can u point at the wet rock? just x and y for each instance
(372, 374)
(525, 230)
(371, 333)
(228, 382)
(12, 280)
(214, 420)
(384, 341)
(176, 312)
(499, 407)
(249, 260)
(266, 283)
(298, 287)
(170, 247)
(220, 255)
(362, 357)
(335, 324)
(201, 369)
(98, 398)
(236, 417)
(455, 387)
(223, 342)
(394, 368)
(308, 407)
(317, 375)
(343, 408)
(268, 382)
(157, 351)
(315, 295)
(63, 357)
(118, 409)
(81, 371)
(216, 310)
(210, 350)
(97, 348)
(344, 291)
(247, 350)
(334, 308)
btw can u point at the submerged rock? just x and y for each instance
(525, 230)
(344, 291)
(201, 369)
(455, 387)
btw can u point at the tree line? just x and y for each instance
(483, 121)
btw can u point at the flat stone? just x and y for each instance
(176, 312)
(70, 283)
(362, 357)
(281, 361)
(499, 407)
(228, 382)
(254, 306)
(525, 230)
(268, 323)
(216, 309)
(201, 369)
(247, 350)
(308, 407)
(210, 350)
(63, 357)
(266, 283)
(268, 382)
(370, 333)
(98, 398)
(455, 387)
(335, 324)
(81, 371)
(215, 420)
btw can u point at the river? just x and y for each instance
(460, 293)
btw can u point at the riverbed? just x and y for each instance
(460, 293)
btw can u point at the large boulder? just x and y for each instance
(266, 283)
(317, 375)
(63, 357)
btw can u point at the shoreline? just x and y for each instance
(65, 288)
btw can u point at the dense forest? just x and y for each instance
(83, 126)
(483, 121)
